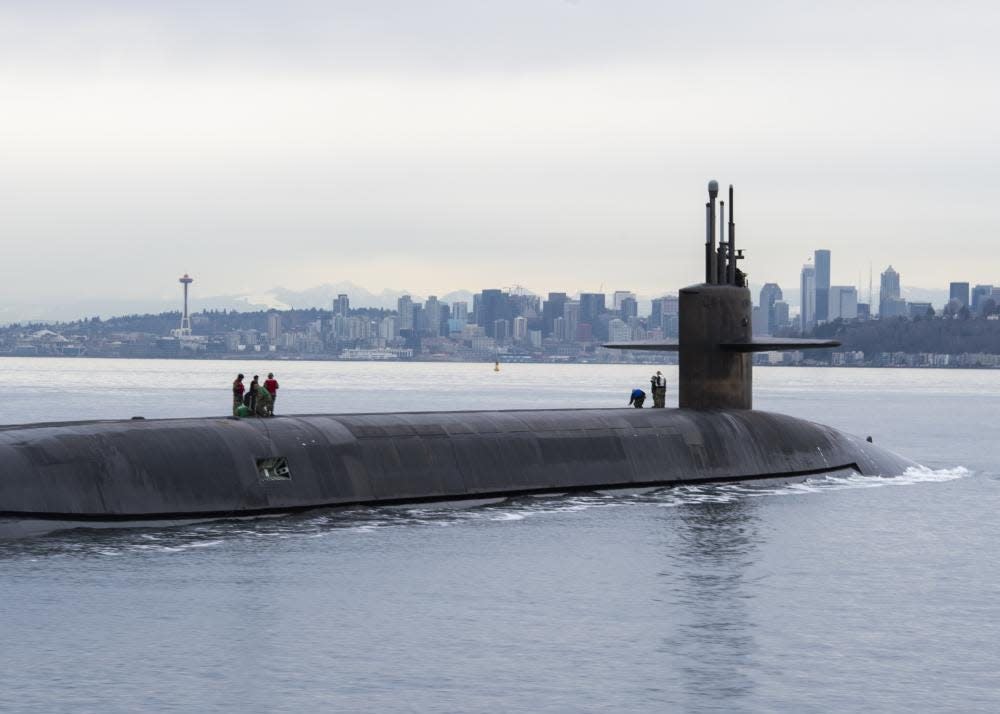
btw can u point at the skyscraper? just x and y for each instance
(341, 305)
(888, 291)
(628, 307)
(493, 306)
(404, 306)
(571, 319)
(960, 292)
(551, 309)
(980, 294)
(807, 292)
(821, 259)
(460, 311)
(843, 302)
(769, 294)
(273, 327)
(591, 306)
(432, 313)
(618, 297)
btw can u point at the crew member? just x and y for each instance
(263, 404)
(658, 385)
(271, 385)
(238, 389)
(637, 398)
(251, 398)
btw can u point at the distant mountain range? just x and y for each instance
(278, 298)
(321, 296)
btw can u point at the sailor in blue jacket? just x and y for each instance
(637, 398)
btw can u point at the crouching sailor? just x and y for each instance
(637, 398)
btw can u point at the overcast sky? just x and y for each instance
(560, 145)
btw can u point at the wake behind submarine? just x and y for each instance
(163, 470)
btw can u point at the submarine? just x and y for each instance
(158, 471)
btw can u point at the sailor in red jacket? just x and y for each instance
(271, 385)
(238, 389)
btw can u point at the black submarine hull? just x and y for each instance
(195, 468)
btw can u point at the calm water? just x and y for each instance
(833, 595)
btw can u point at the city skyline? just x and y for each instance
(556, 144)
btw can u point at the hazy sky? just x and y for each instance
(442, 145)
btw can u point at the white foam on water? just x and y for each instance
(367, 520)
(837, 481)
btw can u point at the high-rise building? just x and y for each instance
(571, 318)
(559, 328)
(341, 305)
(781, 320)
(551, 309)
(591, 308)
(888, 290)
(273, 327)
(493, 306)
(821, 260)
(769, 294)
(980, 294)
(460, 311)
(960, 292)
(520, 328)
(807, 292)
(432, 313)
(629, 307)
(919, 310)
(618, 296)
(619, 331)
(843, 303)
(404, 306)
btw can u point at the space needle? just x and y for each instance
(185, 330)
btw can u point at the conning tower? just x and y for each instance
(716, 334)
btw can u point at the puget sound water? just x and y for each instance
(836, 594)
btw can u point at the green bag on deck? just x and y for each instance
(243, 411)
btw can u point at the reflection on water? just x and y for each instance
(710, 548)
